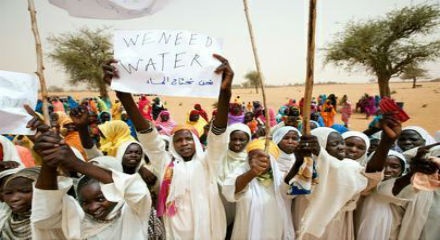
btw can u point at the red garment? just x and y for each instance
(26, 156)
(144, 108)
(58, 106)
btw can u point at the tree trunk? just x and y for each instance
(414, 82)
(256, 88)
(384, 87)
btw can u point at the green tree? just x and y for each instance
(82, 54)
(413, 72)
(385, 46)
(253, 79)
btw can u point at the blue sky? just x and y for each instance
(280, 27)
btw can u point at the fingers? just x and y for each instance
(30, 111)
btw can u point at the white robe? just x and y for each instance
(10, 152)
(262, 212)
(416, 214)
(55, 215)
(200, 212)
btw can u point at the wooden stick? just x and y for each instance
(40, 66)
(310, 67)
(260, 73)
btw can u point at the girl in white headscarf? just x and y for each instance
(411, 139)
(330, 206)
(356, 146)
(287, 139)
(113, 210)
(375, 214)
(239, 136)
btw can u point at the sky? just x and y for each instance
(280, 28)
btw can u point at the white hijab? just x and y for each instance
(123, 148)
(363, 159)
(233, 159)
(423, 133)
(285, 161)
(340, 181)
(10, 153)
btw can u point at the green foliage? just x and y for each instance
(82, 54)
(253, 80)
(411, 72)
(385, 46)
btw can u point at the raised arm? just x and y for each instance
(391, 129)
(221, 118)
(140, 123)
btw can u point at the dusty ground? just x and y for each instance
(421, 104)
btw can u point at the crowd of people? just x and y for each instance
(127, 170)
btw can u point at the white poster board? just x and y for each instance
(16, 90)
(167, 63)
(110, 9)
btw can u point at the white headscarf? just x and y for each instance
(280, 132)
(233, 159)
(363, 159)
(322, 134)
(179, 181)
(9, 151)
(285, 161)
(401, 158)
(123, 148)
(423, 133)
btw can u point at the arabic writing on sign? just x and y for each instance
(179, 81)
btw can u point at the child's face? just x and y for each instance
(93, 201)
(132, 156)
(335, 145)
(355, 147)
(393, 168)
(17, 193)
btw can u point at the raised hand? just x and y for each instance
(259, 162)
(226, 71)
(110, 71)
(36, 123)
(391, 127)
(308, 145)
(47, 145)
(80, 116)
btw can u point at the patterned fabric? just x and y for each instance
(15, 229)
(162, 206)
(156, 229)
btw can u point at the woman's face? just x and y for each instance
(355, 147)
(132, 156)
(393, 167)
(93, 201)
(410, 139)
(290, 142)
(335, 145)
(238, 141)
(17, 193)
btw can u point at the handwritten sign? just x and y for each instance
(169, 63)
(110, 9)
(16, 89)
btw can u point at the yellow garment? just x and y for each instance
(115, 133)
(116, 111)
(73, 140)
(260, 144)
(198, 126)
(63, 118)
(184, 127)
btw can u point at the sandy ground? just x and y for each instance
(421, 104)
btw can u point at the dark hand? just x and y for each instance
(46, 145)
(80, 116)
(308, 145)
(8, 165)
(226, 71)
(259, 163)
(391, 127)
(36, 123)
(110, 71)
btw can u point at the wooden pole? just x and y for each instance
(260, 73)
(40, 65)
(310, 67)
